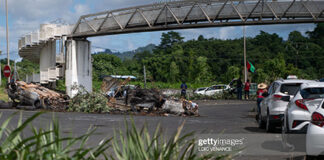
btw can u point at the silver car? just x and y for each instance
(273, 107)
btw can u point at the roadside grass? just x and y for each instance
(133, 143)
(158, 85)
(3, 94)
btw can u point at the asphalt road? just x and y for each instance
(231, 118)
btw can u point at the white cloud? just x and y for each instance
(38, 9)
(81, 9)
(227, 32)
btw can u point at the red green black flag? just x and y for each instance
(250, 67)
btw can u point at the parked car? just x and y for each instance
(200, 90)
(272, 108)
(300, 108)
(315, 133)
(216, 89)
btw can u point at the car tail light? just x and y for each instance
(318, 119)
(300, 103)
(276, 117)
(277, 97)
(296, 123)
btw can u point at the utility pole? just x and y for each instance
(16, 76)
(245, 70)
(7, 37)
(0, 75)
(144, 71)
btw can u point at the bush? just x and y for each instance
(94, 102)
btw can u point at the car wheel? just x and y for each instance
(37, 104)
(308, 157)
(13, 104)
(269, 126)
(261, 123)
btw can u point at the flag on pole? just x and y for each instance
(250, 67)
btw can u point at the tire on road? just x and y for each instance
(261, 122)
(270, 127)
(37, 104)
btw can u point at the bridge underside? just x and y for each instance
(182, 15)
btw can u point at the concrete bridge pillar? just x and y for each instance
(47, 60)
(78, 66)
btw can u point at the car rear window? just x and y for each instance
(313, 93)
(220, 87)
(290, 88)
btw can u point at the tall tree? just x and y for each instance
(168, 40)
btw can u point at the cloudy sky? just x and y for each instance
(25, 16)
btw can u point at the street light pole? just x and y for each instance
(7, 37)
(245, 70)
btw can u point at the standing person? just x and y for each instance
(183, 90)
(262, 88)
(239, 85)
(247, 90)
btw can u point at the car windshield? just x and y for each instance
(312, 93)
(201, 89)
(290, 88)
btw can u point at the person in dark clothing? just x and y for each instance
(183, 90)
(239, 86)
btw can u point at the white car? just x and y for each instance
(216, 89)
(200, 90)
(300, 108)
(315, 133)
(273, 107)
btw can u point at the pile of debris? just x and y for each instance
(146, 101)
(37, 96)
(130, 100)
(151, 101)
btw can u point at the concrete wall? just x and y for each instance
(78, 66)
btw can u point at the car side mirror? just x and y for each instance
(265, 94)
(285, 98)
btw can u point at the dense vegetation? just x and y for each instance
(207, 61)
(213, 60)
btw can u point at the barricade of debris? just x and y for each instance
(145, 101)
(37, 96)
(130, 100)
